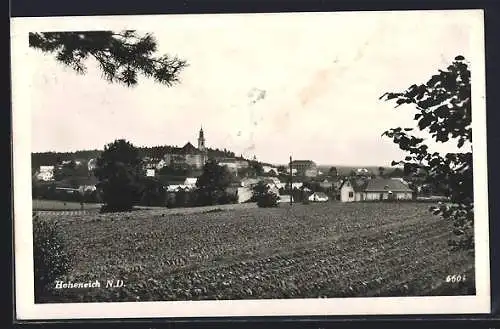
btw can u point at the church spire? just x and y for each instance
(201, 140)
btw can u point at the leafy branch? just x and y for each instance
(443, 106)
(121, 56)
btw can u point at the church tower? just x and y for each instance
(201, 140)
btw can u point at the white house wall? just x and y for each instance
(404, 196)
(244, 194)
(374, 196)
(344, 193)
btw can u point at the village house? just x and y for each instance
(305, 168)
(149, 163)
(329, 183)
(92, 164)
(270, 180)
(244, 193)
(376, 189)
(362, 171)
(383, 189)
(161, 164)
(191, 182)
(269, 170)
(233, 165)
(318, 197)
(249, 182)
(175, 187)
(77, 162)
(45, 173)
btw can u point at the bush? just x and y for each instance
(153, 193)
(228, 198)
(50, 256)
(268, 199)
(263, 196)
(170, 200)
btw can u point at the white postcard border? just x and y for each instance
(26, 309)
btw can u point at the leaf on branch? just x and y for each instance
(121, 55)
(444, 112)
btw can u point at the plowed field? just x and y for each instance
(299, 251)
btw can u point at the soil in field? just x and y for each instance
(55, 205)
(300, 251)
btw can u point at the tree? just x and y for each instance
(397, 173)
(70, 169)
(264, 196)
(213, 182)
(443, 107)
(381, 171)
(121, 56)
(63, 171)
(118, 171)
(153, 193)
(333, 171)
(257, 168)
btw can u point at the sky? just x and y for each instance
(269, 85)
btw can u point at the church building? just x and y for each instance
(189, 154)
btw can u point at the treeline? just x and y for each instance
(158, 152)
(155, 194)
(52, 191)
(55, 158)
(151, 192)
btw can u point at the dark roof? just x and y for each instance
(171, 179)
(358, 184)
(181, 182)
(386, 184)
(186, 149)
(189, 148)
(320, 194)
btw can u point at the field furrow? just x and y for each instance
(299, 251)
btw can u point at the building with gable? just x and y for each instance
(305, 168)
(188, 154)
(376, 189)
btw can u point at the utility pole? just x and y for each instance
(291, 180)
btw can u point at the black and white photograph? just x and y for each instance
(250, 165)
